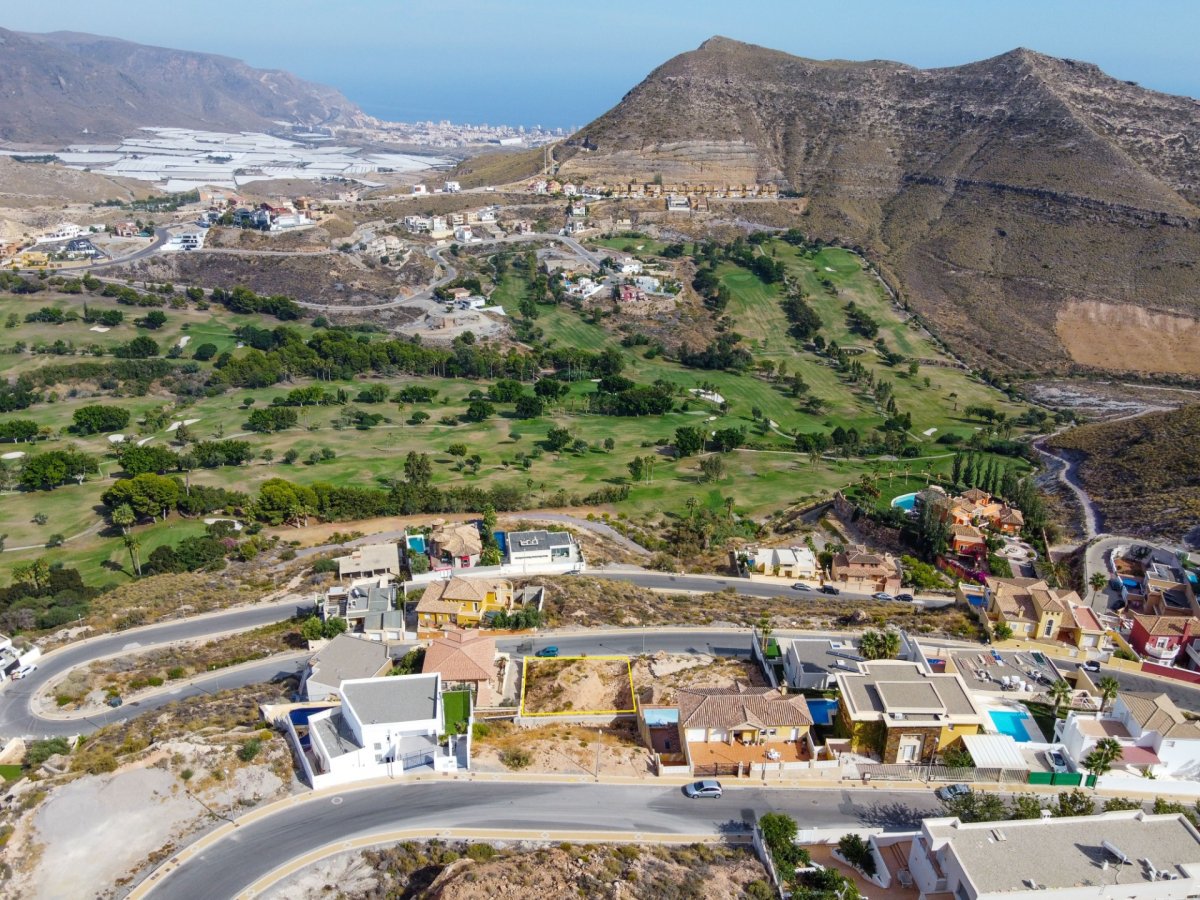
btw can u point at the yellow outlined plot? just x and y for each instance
(535, 660)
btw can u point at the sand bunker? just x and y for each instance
(14, 454)
(116, 438)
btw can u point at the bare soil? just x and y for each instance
(563, 749)
(1124, 337)
(576, 685)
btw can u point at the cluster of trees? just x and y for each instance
(244, 300)
(19, 430)
(99, 419)
(691, 439)
(860, 322)
(193, 554)
(271, 419)
(43, 595)
(153, 458)
(803, 320)
(46, 471)
(724, 352)
(141, 347)
(618, 396)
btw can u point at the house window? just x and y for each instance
(1049, 628)
(1161, 643)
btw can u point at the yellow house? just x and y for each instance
(462, 601)
(33, 258)
(1031, 608)
(903, 713)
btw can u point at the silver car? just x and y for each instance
(706, 788)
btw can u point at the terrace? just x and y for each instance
(714, 753)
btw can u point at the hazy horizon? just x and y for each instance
(527, 62)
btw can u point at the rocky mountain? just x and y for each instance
(1017, 202)
(64, 86)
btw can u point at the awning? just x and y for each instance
(995, 751)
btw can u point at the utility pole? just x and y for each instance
(598, 733)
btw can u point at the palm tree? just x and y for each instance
(891, 644)
(814, 456)
(132, 544)
(1109, 687)
(1106, 752)
(123, 517)
(729, 508)
(765, 629)
(870, 645)
(1060, 693)
(1097, 583)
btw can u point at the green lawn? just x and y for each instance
(11, 773)
(456, 708)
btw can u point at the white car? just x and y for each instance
(1057, 761)
(24, 671)
(882, 595)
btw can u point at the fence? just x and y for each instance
(873, 771)
(1062, 779)
(760, 847)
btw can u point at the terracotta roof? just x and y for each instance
(728, 707)
(447, 596)
(1010, 516)
(462, 656)
(1158, 712)
(458, 540)
(1085, 619)
(975, 495)
(967, 533)
(1167, 625)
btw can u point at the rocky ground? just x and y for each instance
(478, 871)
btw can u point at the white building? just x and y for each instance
(1128, 855)
(787, 562)
(628, 265)
(187, 240)
(541, 547)
(419, 190)
(342, 659)
(451, 187)
(648, 283)
(385, 727)
(1153, 732)
(464, 234)
(63, 231)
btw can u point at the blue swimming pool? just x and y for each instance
(1011, 723)
(905, 501)
(1130, 582)
(416, 543)
(822, 711)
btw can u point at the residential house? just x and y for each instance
(370, 561)
(648, 283)
(1125, 855)
(1154, 734)
(724, 729)
(967, 540)
(628, 265)
(464, 234)
(384, 727)
(342, 659)
(486, 216)
(541, 547)
(438, 227)
(627, 293)
(369, 607)
(465, 658)
(462, 601)
(858, 569)
(976, 497)
(578, 208)
(570, 189)
(678, 204)
(419, 190)
(455, 219)
(1031, 608)
(1160, 638)
(456, 546)
(63, 231)
(904, 713)
(126, 229)
(451, 187)
(787, 562)
(1085, 631)
(1008, 520)
(811, 663)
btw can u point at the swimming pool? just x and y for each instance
(416, 543)
(1130, 582)
(1010, 723)
(905, 501)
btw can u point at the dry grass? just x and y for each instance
(576, 685)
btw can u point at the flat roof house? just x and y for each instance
(1154, 734)
(342, 659)
(368, 606)
(541, 547)
(1127, 855)
(369, 561)
(903, 713)
(384, 727)
(786, 562)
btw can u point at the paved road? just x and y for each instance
(17, 718)
(1066, 469)
(257, 847)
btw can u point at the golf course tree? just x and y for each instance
(99, 419)
(46, 471)
(148, 495)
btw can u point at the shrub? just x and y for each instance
(480, 852)
(175, 672)
(249, 750)
(186, 774)
(480, 730)
(857, 852)
(40, 751)
(516, 758)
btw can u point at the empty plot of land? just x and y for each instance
(1112, 336)
(577, 685)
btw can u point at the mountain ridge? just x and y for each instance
(58, 86)
(991, 193)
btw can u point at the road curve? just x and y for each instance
(258, 846)
(18, 718)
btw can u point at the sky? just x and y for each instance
(558, 64)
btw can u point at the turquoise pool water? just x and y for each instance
(905, 501)
(1011, 723)
(416, 543)
(1130, 582)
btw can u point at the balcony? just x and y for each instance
(1164, 655)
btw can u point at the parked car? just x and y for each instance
(705, 788)
(950, 791)
(1092, 665)
(547, 652)
(882, 595)
(114, 702)
(830, 589)
(24, 671)
(1057, 761)
(800, 586)
(905, 598)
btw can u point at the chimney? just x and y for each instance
(1187, 632)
